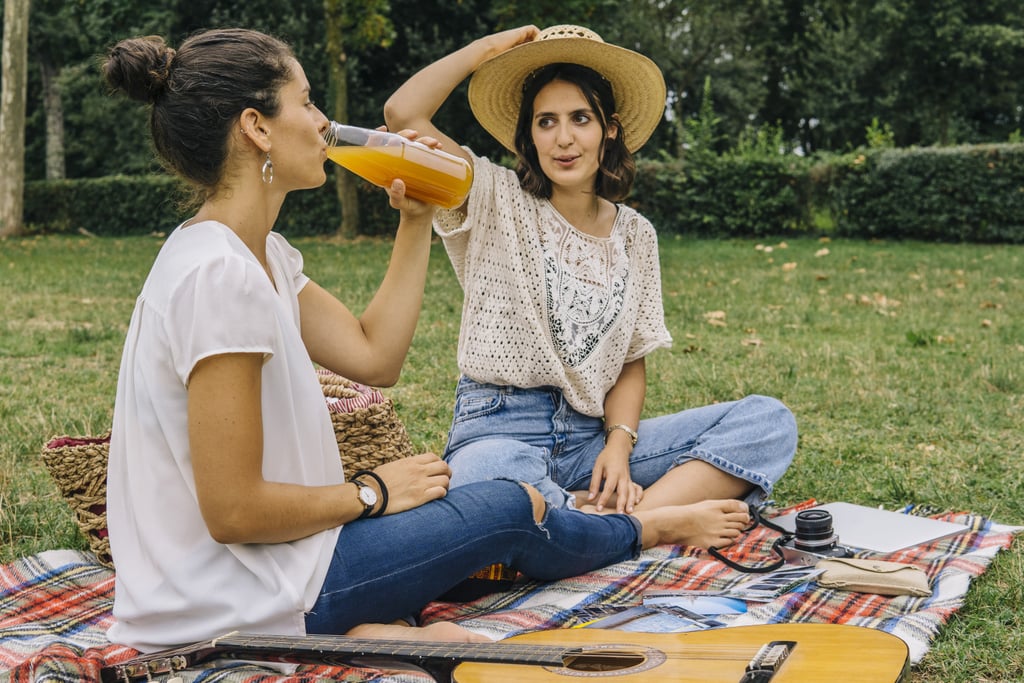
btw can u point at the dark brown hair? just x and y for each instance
(617, 169)
(197, 92)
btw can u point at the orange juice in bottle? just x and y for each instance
(430, 175)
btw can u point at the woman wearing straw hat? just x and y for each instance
(563, 292)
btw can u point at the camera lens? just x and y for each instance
(814, 531)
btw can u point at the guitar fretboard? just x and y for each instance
(346, 646)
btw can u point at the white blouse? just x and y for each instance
(208, 295)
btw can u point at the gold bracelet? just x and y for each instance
(629, 430)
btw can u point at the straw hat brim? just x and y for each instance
(495, 90)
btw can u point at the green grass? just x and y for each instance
(903, 362)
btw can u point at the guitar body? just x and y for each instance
(822, 653)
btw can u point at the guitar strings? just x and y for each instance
(502, 649)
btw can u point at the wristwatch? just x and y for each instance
(367, 496)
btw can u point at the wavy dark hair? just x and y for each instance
(616, 171)
(197, 92)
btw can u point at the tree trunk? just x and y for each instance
(12, 116)
(345, 182)
(53, 105)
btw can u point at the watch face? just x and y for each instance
(368, 496)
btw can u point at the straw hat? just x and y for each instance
(495, 91)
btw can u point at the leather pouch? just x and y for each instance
(873, 576)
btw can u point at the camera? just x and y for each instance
(813, 540)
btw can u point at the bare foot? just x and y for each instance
(441, 631)
(707, 524)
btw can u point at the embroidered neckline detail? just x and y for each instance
(585, 284)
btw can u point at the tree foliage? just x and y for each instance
(937, 71)
(823, 72)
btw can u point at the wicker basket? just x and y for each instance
(79, 466)
(367, 437)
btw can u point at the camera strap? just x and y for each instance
(776, 549)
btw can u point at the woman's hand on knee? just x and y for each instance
(612, 484)
(413, 481)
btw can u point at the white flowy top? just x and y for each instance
(544, 303)
(208, 295)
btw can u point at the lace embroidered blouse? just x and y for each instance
(545, 304)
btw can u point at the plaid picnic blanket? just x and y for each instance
(55, 606)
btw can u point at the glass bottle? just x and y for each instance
(430, 175)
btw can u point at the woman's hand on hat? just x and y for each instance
(506, 40)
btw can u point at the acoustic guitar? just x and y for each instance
(776, 653)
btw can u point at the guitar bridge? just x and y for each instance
(767, 661)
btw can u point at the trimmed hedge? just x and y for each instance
(953, 194)
(114, 205)
(728, 196)
(143, 204)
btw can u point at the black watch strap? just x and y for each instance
(383, 490)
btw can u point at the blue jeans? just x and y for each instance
(386, 568)
(535, 436)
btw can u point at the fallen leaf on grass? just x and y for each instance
(878, 300)
(716, 318)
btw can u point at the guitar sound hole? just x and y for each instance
(604, 661)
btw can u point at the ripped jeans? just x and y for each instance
(535, 436)
(389, 567)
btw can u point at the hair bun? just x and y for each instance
(140, 67)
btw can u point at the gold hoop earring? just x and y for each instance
(267, 173)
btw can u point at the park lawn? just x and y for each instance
(903, 362)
